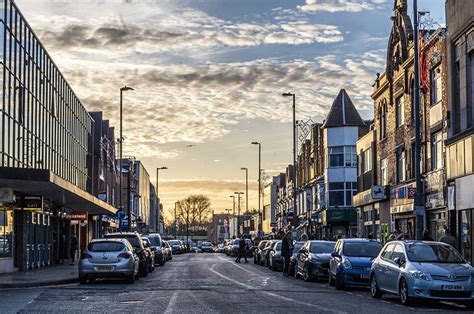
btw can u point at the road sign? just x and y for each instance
(124, 223)
(120, 213)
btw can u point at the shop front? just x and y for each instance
(339, 222)
(436, 211)
(401, 209)
(368, 205)
(464, 204)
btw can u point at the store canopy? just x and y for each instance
(50, 186)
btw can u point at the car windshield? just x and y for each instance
(155, 241)
(433, 253)
(297, 246)
(174, 242)
(105, 246)
(322, 247)
(146, 240)
(132, 239)
(362, 249)
(206, 244)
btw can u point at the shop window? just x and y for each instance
(435, 85)
(6, 232)
(383, 172)
(400, 107)
(437, 151)
(367, 160)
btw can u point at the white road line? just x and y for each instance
(321, 308)
(172, 303)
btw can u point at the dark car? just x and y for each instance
(176, 246)
(297, 246)
(351, 262)
(266, 252)
(312, 260)
(206, 247)
(257, 252)
(168, 251)
(275, 260)
(139, 249)
(158, 246)
(151, 253)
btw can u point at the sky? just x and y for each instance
(208, 77)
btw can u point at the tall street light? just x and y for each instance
(259, 185)
(294, 149)
(158, 199)
(246, 188)
(129, 214)
(238, 208)
(233, 210)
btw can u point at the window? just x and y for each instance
(400, 105)
(350, 156)
(336, 156)
(383, 121)
(401, 163)
(435, 85)
(341, 193)
(6, 232)
(383, 172)
(367, 160)
(437, 151)
(470, 88)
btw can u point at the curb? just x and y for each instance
(39, 284)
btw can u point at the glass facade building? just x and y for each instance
(43, 124)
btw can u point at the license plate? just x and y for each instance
(104, 268)
(452, 288)
(364, 276)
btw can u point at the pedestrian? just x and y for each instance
(426, 236)
(370, 236)
(304, 237)
(448, 238)
(286, 251)
(241, 252)
(73, 248)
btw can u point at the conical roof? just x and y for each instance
(343, 113)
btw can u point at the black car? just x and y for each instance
(176, 246)
(312, 260)
(296, 248)
(158, 246)
(136, 241)
(275, 260)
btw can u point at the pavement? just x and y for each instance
(48, 276)
(207, 283)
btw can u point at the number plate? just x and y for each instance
(104, 268)
(452, 288)
(364, 276)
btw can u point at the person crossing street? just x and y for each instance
(242, 250)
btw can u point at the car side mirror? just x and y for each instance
(163, 245)
(399, 261)
(335, 254)
(147, 244)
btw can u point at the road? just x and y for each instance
(206, 283)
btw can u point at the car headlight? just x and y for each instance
(419, 275)
(346, 263)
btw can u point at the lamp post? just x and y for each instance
(246, 188)
(233, 212)
(259, 185)
(129, 213)
(158, 199)
(294, 148)
(238, 208)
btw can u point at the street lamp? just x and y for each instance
(294, 149)
(129, 214)
(246, 188)
(158, 199)
(259, 184)
(233, 210)
(238, 208)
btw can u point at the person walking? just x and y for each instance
(286, 251)
(242, 251)
(448, 238)
(73, 248)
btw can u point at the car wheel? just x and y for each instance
(374, 288)
(137, 276)
(131, 278)
(340, 285)
(144, 271)
(405, 299)
(82, 280)
(306, 275)
(330, 280)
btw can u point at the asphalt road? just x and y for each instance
(207, 283)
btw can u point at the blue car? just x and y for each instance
(351, 261)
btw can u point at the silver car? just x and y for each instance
(415, 269)
(108, 258)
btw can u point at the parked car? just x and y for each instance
(206, 247)
(168, 251)
(266, 252)
(351, 261)
(220, 248)
(312, 260)
(235, 247)
(428, 270)
(151, 253)
(109, 258)
(296, 248)
(258, 250)
(157, 246)
(275, 260)
(176, 246)
(228, 247)
(139, 248)
(184, 248)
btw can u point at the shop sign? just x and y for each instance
(378, 192)
(79, 216)
(401, 209)
(30, 202)
(435, 181)
(464, 194)
(403, 192)
(374, 194)
(435, 200)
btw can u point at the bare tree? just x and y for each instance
(194, 210)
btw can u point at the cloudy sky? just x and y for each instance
(210, 73)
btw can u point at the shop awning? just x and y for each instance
(50, 186)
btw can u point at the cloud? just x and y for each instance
(341, 5)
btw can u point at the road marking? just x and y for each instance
(172, 303)
(274, 295)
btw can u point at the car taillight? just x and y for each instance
(124, 255)
(86, 256)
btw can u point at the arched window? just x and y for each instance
(383, 119)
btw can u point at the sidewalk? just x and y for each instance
(47, 276)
